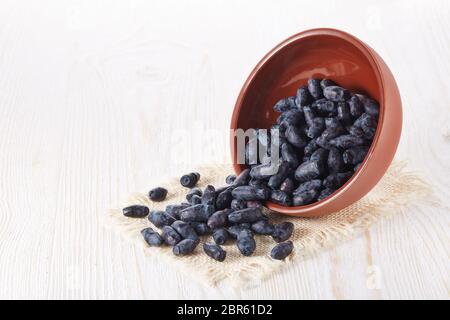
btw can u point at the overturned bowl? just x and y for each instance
(341, 57)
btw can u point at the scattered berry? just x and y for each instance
(214, 251)
(185, 247)
(282, 250)
(160, 219)
(152, 237)
(189, 180)
(220, 236)
(136, 211)
(157, 194)
(246, 245)
(170, 236)
(283, 231)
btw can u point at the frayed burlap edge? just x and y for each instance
(398, 188)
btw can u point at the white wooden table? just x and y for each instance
(95, 100)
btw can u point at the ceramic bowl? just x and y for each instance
(343, 58)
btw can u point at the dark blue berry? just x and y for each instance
(152, 237)
(195, 199)
(170, 236)
(193, 192)
(174, 210)
(368, 125)
(254, 204)
(246, 245)
(185, 247)
(333, 123)
(343, 113)
(327, 135)
(238, 204)
(285, 104)
(335, 93)
(370, 106)
(324, 107)
(309, 115)
(201, 228)
(157, 194)
(292, 117)
(283, 171)
(356, 131)
(220, 236)
(250, 193)
(222, 189)
(305, 197)
(355, 155)
(196, 213)
(316, 128)
(184, 230)
(135, 211)
(287, 185)
(347, 141)
(309, 170)
(320, 155)
(335, 161)
(289, 155)
(249, 215)
(356, 106)
(224, 200)
(296, 137)
(160, 219)
(315, 89)
(219, 219)
(259, 184)
(230, 179)
(303, 96)
(209, 195)
(282, 250)
(242, 179)
(310, 148)
(245, 225)
(189, 180)
(308, 185)
(336, 180)
(283, 231)
(214, 251)
(263, 227)
(280, 197)
(236, 230)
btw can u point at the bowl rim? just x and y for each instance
(371, 58)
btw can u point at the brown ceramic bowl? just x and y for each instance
(339, 56)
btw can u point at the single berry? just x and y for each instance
(214, 251)
(282, 250)
(189, 180)
(136, 211)
(157, 194)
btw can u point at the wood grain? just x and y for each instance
(100, 98)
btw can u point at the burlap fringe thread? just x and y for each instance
(397, 189)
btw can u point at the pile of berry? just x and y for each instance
(230, 213)
(324, 134)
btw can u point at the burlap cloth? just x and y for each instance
(397, 189)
